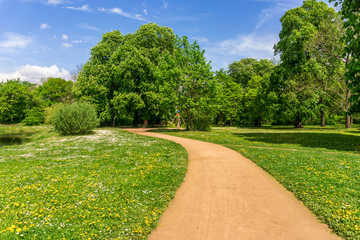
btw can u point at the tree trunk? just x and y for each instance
(114, 122)
(136, 119)
(323, 124)
(298, 123)
(191, 122)
(146, 123)
(257, 122)
(348, 121)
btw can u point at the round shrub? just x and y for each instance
(75, 119)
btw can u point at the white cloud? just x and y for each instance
(165, 4)
(34, 74)
(145, 12)
(83, 8)
(67, 45)
(44, 26)
(124, 14)
(86, 26)
(77, 41)
(54, 2)
(14, 40)
(243, 46)
(65, 37)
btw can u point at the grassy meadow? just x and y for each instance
(108, 185)
(321, 166)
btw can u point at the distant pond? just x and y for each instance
(14, 138)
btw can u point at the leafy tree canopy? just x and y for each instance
(16, 98)
(350, 13)
(55, 90)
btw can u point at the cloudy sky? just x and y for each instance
(43, 38)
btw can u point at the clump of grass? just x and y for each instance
(320, 166)
(108, 185)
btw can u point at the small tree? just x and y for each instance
(75, 119)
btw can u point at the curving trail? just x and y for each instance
(226, 196)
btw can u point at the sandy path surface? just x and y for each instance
(226, 196)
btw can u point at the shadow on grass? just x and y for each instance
(166, 130)
(333, 141)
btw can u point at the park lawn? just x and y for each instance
(108, 185)
(321, 166)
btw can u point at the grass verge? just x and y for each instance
(321, 166)
(108, 185)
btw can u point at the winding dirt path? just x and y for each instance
(226, 196)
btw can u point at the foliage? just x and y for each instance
(327, 64)
(321, 167)
(55, 90)
(147, 76)
(49, 111)
(242, 71)
(350, 13)
(253, 76)
(123, 69)
(294, 82)
(197, 87)
(34, 116)
(230, 97)
(75, 119)
(110, 185)
(16, 98)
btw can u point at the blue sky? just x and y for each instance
(43, 38)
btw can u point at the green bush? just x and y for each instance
(34, 116)
(75, 119)
(49, 111)
(201, 123)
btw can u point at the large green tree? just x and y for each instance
(294, 82)
(96, 83)
(55, 90)
(197, 88)
(16, 99)
(350, 13)
(327, 64)
(121, 77)
(253, 77)
(230, 97)
(242, 71)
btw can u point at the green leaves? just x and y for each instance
(307, 80)
(16, 98)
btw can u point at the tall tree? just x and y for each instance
(96, 83)
(294, 80)
(327, 65)
(253, 76)
(122, 73)
(230, 96)
(350, 13)
(197, 86)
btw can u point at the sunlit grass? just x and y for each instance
(108, 185)
(321, 166)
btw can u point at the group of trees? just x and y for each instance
(145, 77)
(26, 102)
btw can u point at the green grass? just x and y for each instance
(321, 166)
(108, 185)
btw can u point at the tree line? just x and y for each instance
(147, 76)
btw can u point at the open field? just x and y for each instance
(321, 166)
(108, 185)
